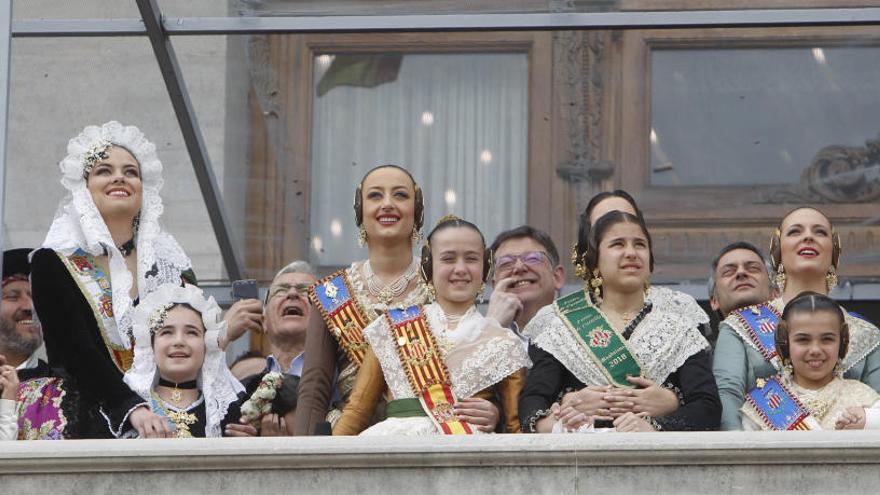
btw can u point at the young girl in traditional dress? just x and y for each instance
(179, 369)
(436, 360)
(812, 339)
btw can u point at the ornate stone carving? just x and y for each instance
(838, 174)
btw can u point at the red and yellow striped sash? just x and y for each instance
(424, 366)
(343, 314)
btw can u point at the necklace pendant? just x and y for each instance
(385, 295)
(176, 395)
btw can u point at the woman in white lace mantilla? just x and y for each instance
(179, 368)
(482, 359)
(104, 248)
(812, 340)
(574, 385)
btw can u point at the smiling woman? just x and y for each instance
(104, 249)
(805, 252)
(442, 362)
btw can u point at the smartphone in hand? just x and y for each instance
(245, 289)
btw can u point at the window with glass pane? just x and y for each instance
(744, 116)
(457, 121)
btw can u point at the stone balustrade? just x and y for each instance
(714, 463)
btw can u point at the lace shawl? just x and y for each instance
(478, 353)
(78, 224)
(662, 341)
(864, 337)
(417, 295)
(217, 384)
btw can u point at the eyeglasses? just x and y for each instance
(284, 289)
(505, 264)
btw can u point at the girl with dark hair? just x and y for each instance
(610, 354)
(805, 252)
(442, 360)
(810, 393)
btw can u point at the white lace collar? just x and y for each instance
(665, 338)
(78, 224)
(417, 295)
(217, 384)
(478, 353)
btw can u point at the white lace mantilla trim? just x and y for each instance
(662, 341)
(864, 337)
(78, 224)
(408, 427)
(474, 364)
(219, 387)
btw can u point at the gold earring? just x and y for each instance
(480, 295)
(362, 236)
(838, 369)
(416, 235)
(787, 370)
(596, 284)
(647, 288)
(780, 278)
(432, 294)
(831, 278)
(579, 270)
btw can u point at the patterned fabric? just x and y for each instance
(39, 409)
(662, 341)
(478, 353)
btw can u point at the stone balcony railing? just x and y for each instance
(713, 463)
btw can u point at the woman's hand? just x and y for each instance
(239, 430)
(272, 426)
(589, 400)
(242, 316)
(149, 424)
(633, 422)
(8, 382)
(478, 412)
(649, 398)
(852, 418)
(504, 306)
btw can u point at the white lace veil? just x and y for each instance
(78, 224)
(217, 384)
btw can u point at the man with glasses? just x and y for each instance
(527, 272)
(286, 317)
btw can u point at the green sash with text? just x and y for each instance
(602, 343)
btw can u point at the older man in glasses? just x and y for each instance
(526, 272)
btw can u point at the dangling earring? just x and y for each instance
(432, 294)
(416, 235)
(647, 288)
(787, 370)
(362, 236)
(780, 278)
(838, 369)
(596, 284)
(831, 278)
(480, 295)
(579, 270)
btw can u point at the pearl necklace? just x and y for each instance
(386, 293)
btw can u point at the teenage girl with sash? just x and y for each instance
(805, 252)
(389, 211)
(104, 249)
(438, 360)
(617, 338)
(810, 394)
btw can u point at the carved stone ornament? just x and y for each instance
(838, 174)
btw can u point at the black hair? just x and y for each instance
(584, 226)
(603, 224)
(733, 246)
(527, 231)
(419, 212)
(177, 305)
(449, 222)
(810, 302)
